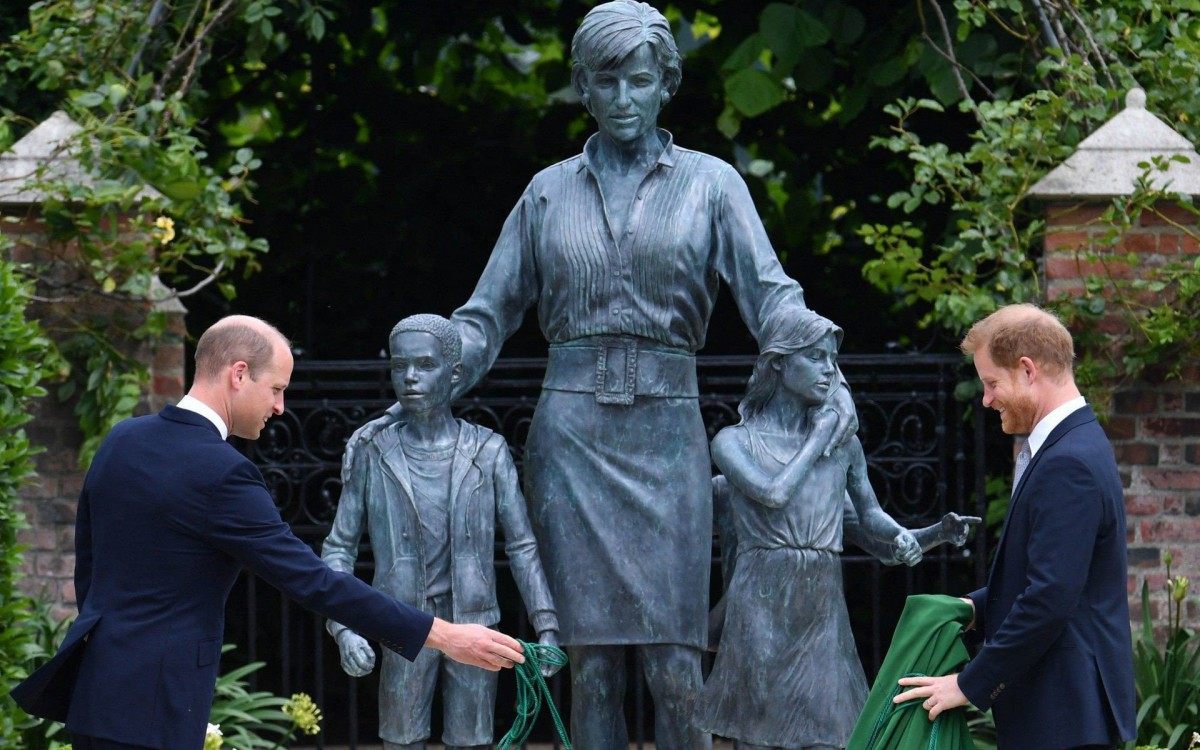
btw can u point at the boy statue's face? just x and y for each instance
(422, 376)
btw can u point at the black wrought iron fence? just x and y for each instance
(925, 458)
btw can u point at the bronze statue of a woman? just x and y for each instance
(621, 249)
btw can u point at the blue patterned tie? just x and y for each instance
(1023, 457)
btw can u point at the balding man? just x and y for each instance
(1056, 666)
(169, 515)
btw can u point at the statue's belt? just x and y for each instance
(619, 368)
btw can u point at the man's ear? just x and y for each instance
(1029, 370)
(456, 373)
(239, 373)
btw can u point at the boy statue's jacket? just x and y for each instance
(377, 496)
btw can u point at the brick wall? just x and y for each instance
(49, 501)
(1154, 424)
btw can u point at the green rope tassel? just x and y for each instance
(531, 687)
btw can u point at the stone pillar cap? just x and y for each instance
(1105, 165)
(46, 153)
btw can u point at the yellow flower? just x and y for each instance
(165, 229)
(212, 737)
(304, 712)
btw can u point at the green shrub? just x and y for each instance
(27, 358)
(254, 720)
(1168, 680)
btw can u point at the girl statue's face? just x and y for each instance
(811, 372)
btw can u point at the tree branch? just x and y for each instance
(193, 48)
(1047, 31)
(158, 13)
(212, 276)
(955, 66)
(1091, 39)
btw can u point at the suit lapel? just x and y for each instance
(1073, 420)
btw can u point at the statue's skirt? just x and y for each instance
(787, 673)
(620, 498)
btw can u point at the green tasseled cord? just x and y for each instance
(531, 687)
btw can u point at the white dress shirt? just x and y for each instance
(206, 411)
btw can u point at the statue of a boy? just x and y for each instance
(429, 490)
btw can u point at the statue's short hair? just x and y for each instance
(610, 32)
(237, 338)
(1022, 330)
(437, 326)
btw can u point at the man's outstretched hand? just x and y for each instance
(476, 645)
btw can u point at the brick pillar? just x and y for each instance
(50, 499)
(1154, 424)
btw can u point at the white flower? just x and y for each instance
(212, 737)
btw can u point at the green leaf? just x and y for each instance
(746, 54)
(788, 31)
(753, 92)
(89, 99)
(181, 190)
(845, 22)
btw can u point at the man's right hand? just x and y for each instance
(358, 658)
(476, 645)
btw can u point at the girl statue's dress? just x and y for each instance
(787, 673)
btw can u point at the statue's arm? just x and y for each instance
(520, 544)
(871, 517)
(507, 288)
(774, 490)
(745, 259)
(340, 548)
(952, 529)
(853, 533)
(874, 521)
(724, 526)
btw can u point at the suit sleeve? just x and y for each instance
(340, 549)
(519, 542)
(1065, 513)
(244, 523)
(83, 548)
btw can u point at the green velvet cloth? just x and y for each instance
(927, 642)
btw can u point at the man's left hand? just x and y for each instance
(940, 693)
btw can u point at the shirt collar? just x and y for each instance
(1042, 429)
(666, 158)
(196, 405)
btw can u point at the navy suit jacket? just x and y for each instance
(169, 515)
(1056, 667)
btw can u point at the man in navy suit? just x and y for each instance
(1056, 665)
(169, 515)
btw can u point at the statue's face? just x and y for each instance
(421, 374)
(625, 99)
(811, 372)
